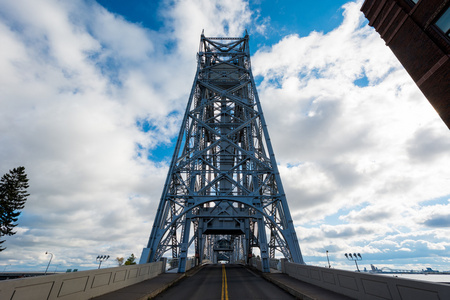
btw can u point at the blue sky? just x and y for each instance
(285, 16)
(92, 94)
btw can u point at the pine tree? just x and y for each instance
(130, 260)
(13, 195)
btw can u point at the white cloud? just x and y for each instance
(376, 150)
(217, 18)
(433, 216)
(75, 81)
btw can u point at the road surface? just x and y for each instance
(224, 282)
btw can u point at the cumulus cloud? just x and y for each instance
(85, 96)
(434, 216)
(356, 140)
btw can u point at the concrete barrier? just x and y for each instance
(190, 263)
(78, 285)
(365, 285)
(273, 263)
(256, 263)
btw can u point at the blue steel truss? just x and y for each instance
(223, 181)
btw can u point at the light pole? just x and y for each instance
(48, 261)
(329, 266)
(101, 258)
(56, 268)
(355, 258)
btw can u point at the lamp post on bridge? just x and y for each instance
(329, 266)
(355, 257)
(101, 258)
(48, 261)
(56, 268)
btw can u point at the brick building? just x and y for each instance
(418, 33)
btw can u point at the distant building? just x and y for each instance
(418, 33)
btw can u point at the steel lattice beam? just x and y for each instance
(223, 177)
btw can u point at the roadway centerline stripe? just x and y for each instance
(224, 284)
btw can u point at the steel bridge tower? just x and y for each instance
(223, 182)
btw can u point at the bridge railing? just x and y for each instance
(190, 263)
(256, 263)
(174, 263)
(79, 285)
(365, 285)
(273, 262)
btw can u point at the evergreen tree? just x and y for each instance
(130, 260)
(13, 195)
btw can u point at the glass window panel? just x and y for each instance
(444, 22)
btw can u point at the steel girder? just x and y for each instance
(223, 177)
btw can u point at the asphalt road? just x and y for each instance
(224, 282)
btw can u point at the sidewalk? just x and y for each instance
(300, 289)
(145, 289)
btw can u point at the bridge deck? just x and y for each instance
(222, 282)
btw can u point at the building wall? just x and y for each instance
(410, 31)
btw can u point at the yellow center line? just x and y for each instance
(224, 284)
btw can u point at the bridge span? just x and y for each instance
(216, 281)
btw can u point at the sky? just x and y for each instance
(91, 99)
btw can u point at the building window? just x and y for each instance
(443, 23)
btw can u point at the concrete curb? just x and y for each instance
(288, 289)
(158, 291)
(194, 270)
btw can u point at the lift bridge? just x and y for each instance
(223, 195)
(223, 200)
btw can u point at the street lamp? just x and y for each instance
(355, 257)
(48, 261)
(101, 258)
(329, 266)
(56, 268)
